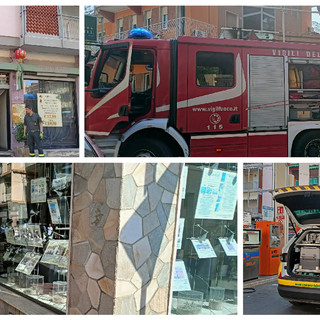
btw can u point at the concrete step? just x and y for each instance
(6, 153)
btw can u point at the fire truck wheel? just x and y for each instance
(147, 147)
(308, 145)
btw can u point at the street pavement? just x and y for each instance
(260, 296)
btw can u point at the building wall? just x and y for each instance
(208, 14)
(296, 23)
(10, 22)
(304, 173)
(122, 238)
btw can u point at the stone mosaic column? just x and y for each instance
(122, 230)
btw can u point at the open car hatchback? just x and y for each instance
(299, 270)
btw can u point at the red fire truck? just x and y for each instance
(205, 97)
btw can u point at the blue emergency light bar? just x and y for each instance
(140, 33)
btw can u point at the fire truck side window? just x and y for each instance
(113, 70)
(214, 69)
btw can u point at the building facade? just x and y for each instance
(293, 24)
(48, 77)
(118, 238)
(258, 180)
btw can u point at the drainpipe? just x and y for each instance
(60, 23)
(283, 25)
(23, 25)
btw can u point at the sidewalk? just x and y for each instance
(258, 281)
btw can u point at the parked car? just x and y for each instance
(90, 147)
(299, 270)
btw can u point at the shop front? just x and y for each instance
(205, 268)
(34, 215)
(118, 238)
(53, 93)
(39, 63)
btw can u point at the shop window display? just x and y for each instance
(34, 217)
(205, 270)
(55, 102)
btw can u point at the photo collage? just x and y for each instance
(159, 159)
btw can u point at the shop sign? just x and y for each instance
(18, 113)
(280, 210)
(49, 109)
(90, 32)
(217, 196)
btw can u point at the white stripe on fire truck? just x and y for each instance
(271, 133)
(180, 105)
(235, 135)
(97, 133)
(113, 116)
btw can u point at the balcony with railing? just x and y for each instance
(48, 26)
(172, 29)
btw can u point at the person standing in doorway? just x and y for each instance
(33, 126)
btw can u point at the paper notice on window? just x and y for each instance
(38, 190)
(230, 248)
(18, 113)
(184, 182)
(217, 196)
(49, 109)
(54, 211)
(180, 278)
(180, 233)
(204, 249)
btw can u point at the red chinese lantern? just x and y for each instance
(20, 54)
